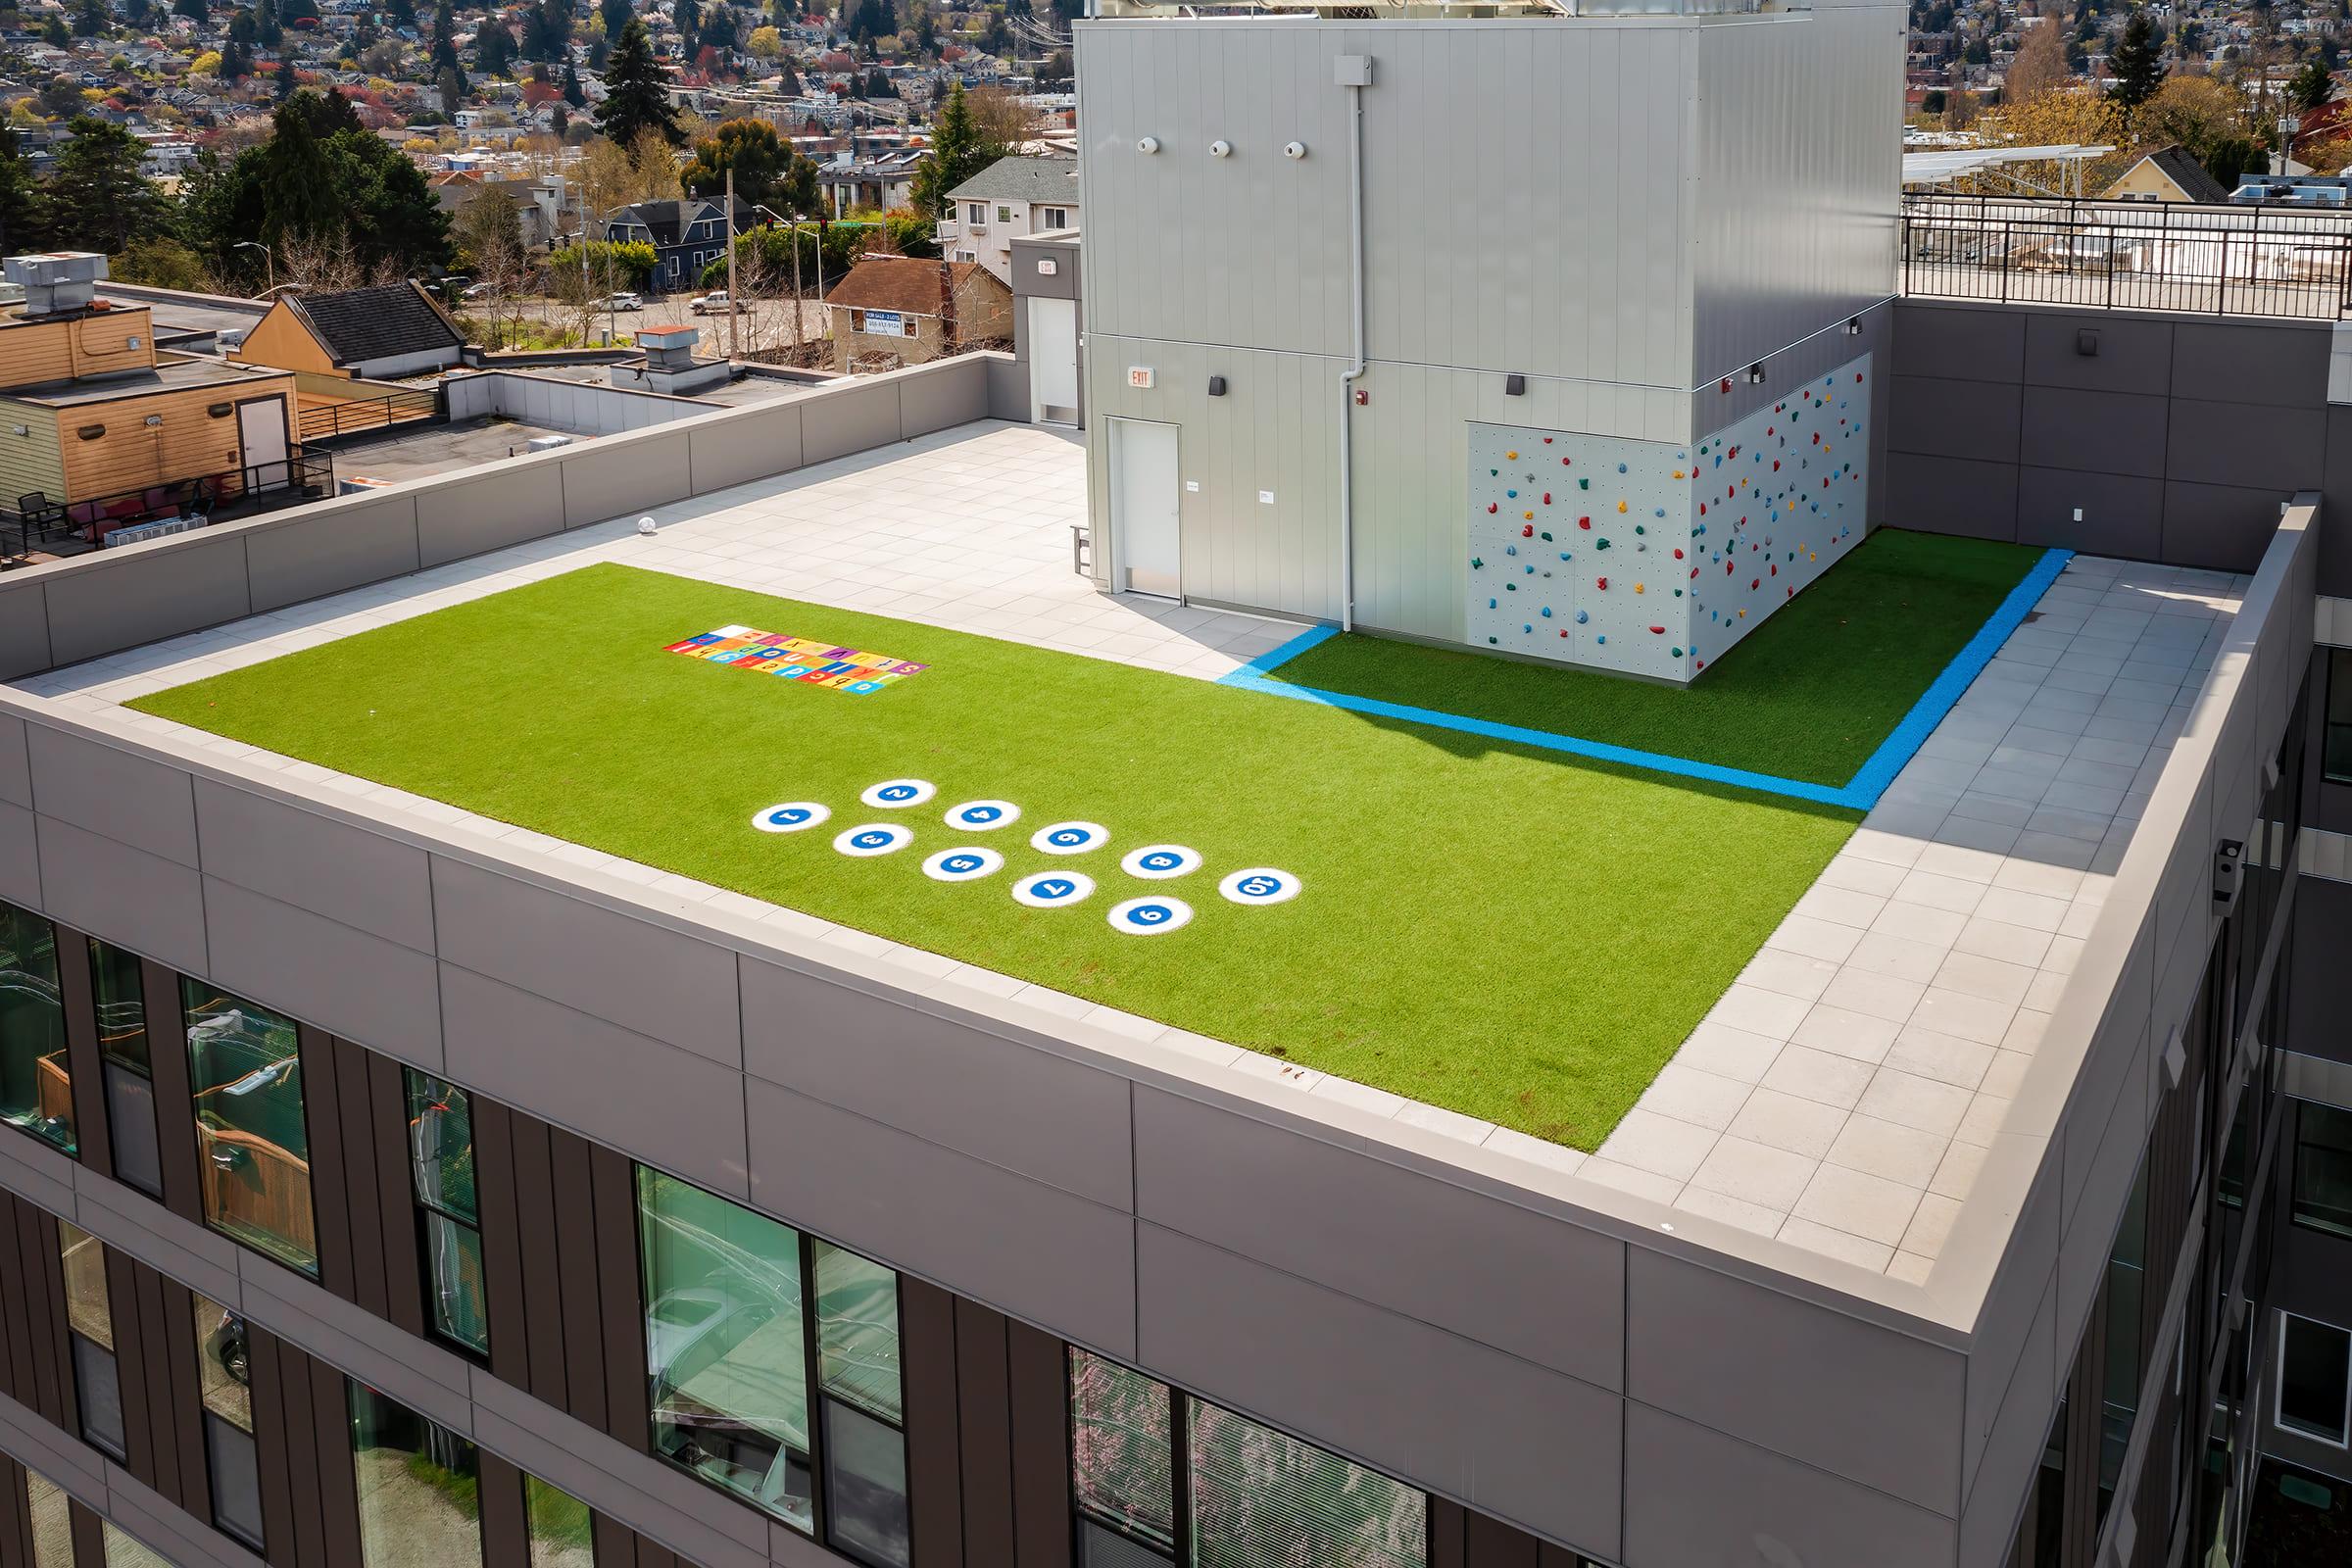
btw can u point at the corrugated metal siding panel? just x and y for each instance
(1783, 247)
(30, 461)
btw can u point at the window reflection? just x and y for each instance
(36, 1088)
(245, 1072)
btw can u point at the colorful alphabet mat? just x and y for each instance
(768, 652)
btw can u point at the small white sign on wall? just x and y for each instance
(1139, 376)
(885, 323)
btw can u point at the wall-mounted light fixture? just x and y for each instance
(1854, 327)
(1146, 145)
(154, 420)
(1755, 373)
(1514, 386)
(222, 410)
(1221, 148)
(21, 429)
(2086, 342)
(91, 432)
(1216, 386)
(1293, 149)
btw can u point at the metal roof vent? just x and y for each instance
(56, 281)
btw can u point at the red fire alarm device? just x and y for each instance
(1364, 397)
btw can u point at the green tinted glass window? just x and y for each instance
(245, 1073)
(453, 1256)
(36, 1090)
(419, 1487)
(121, 999)
(724, 1344)
(441, 1147)
(857, 1331)
(562, 1530)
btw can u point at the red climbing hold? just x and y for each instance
(1547, 440)
(1528, 532)
(1694, 571)
(1583, 523)
(1678, 554)
(1776, 465)
(1660, 630)
(1754, 583)
(1601, 582)
(1817, 438)
(1490, 506)
(1547, 498)
(1772, 571)
(1702, 509)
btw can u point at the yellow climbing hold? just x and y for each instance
(1529, 516)
(1678, 473)
(1637, 588)
(1510, 457)
(1620, 506)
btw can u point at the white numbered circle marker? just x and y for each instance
(1148, 917)
(1069, 838)
(789, 818)
(1260, 884)
(964, 865)
(1157, 862)
(977, 815)
(900, 792)
(875, 838)
(1051, 890)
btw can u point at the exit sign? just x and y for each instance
(1140, 377)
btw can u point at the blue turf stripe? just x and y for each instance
(1274, 657)
(1859, 792)
(1870, 781)
(1598, 751)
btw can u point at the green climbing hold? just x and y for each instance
(1543, 537)
(1678, 653)
(1475, 562)
(1639, 528)
(1583, 484)
(1604, 544)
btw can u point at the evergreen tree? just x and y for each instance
(287, 82)
(90, 21)
(402, 14)
(636, 97)
(236, 62)
(55, 33)
(2137, 61)
(266, 29)
(98, 193)
(135, 13)
(299, 196)
(494, 48)
(752, 149)
(616, 14)
(445, 49)
(193, 9)
(19, 198)
(960, 149)
(2310, 87)
(574, 93)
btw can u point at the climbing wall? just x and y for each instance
(1649, 559)
(1780, 497)
(1579, 548)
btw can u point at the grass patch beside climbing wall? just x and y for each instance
(1809, 695)
(1516, 935)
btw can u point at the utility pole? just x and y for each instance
(947, 299)
(734, 307)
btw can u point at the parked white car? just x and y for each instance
(714, 304)
(622, 302)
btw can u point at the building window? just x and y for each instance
(765, 1348)
(2323, 1167)
(974, 214)
(2119, 1384)
(36, 1090)
(449, 1218)
(562, 1529)
(119, 997)
(2314, 1378)
(245, 1072)
(858, 1370)
(224, 1372)
(2335, 741)
(418, 1485)
(128, 1551)
(51, 1522)
(1158, 1475)
(1004, 214)
(90, 1320)
(1056, 218)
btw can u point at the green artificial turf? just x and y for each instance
(1808, 695)
(1513, 934)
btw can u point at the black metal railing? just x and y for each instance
(2211, 260)
(319, 422)
(36, 522)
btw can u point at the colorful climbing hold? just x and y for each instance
(1601, 582)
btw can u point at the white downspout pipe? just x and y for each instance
(1353, 72)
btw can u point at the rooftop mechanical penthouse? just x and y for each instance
(816, 1033)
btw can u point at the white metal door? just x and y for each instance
(262, 432)
(1053, 361)
(1143, 510)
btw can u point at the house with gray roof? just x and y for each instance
(1010, 199)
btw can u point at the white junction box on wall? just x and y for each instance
(1648, 558)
